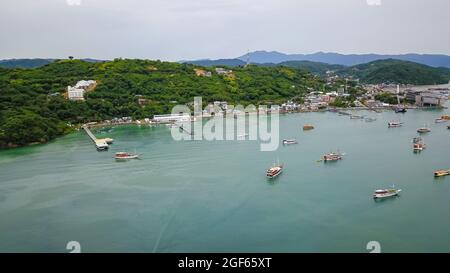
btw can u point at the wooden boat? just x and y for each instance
(423, 130)
(440, 173)
(307, 127)
(125, 156)
(445, 117)
(332, 157)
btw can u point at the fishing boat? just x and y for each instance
(370, 119)
(386, 193)
(307, 127)
(332, 157)
(394, 124)
(125, 156)
(274, 171)
(418, 144)
(289, 141)
(400, 110)
(101, 145)
(440, 173)
(423, 130)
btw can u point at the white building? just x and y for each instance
(172, 117)
(75, 93)
(85, 84)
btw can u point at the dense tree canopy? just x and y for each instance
(33, 108)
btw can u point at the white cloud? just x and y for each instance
(73, 2)
(374, 2)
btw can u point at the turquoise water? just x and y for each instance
(202, 196)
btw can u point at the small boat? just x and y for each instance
(332, 157)
(356, 117)
(400, 110)
(274, 171)
(440, 173)
(101, 145)
(370, 119)
(448, 127)
(307, 127)
(386, 193)
(289, 141)
(418, 145)
(125, 156)
(242, 136)
(445, 117)
(394, 124)
(440, 120)
(423, 130)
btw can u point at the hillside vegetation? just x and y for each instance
(32, 108)
(396, 71)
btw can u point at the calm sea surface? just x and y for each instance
(201, 196)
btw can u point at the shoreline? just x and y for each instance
(97, 125)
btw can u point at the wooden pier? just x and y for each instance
(100, 144)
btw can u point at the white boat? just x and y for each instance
(356, 117)
(125, 156)
(274, 171)
(332, 157)
(101, 145)
(289, 141)
(386, 193)
(440, 120)
(242, 136)
(394, 124)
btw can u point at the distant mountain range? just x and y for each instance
(33, 63)
(261, 57)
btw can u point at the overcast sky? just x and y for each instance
(195, 29)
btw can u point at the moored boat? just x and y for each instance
(386, 193)
(332, 157)
(440, 173)
(307, 127)
(445, 117)
(423, 130)
(440, 120)
(289, 141)
(394, 124)
(418, 144)
(101, 145)
(356, 117)
(125, 156)
(274, 171)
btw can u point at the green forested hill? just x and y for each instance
(397, 71)
(31, 112)
(313, 67)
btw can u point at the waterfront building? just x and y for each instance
(172, 117)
